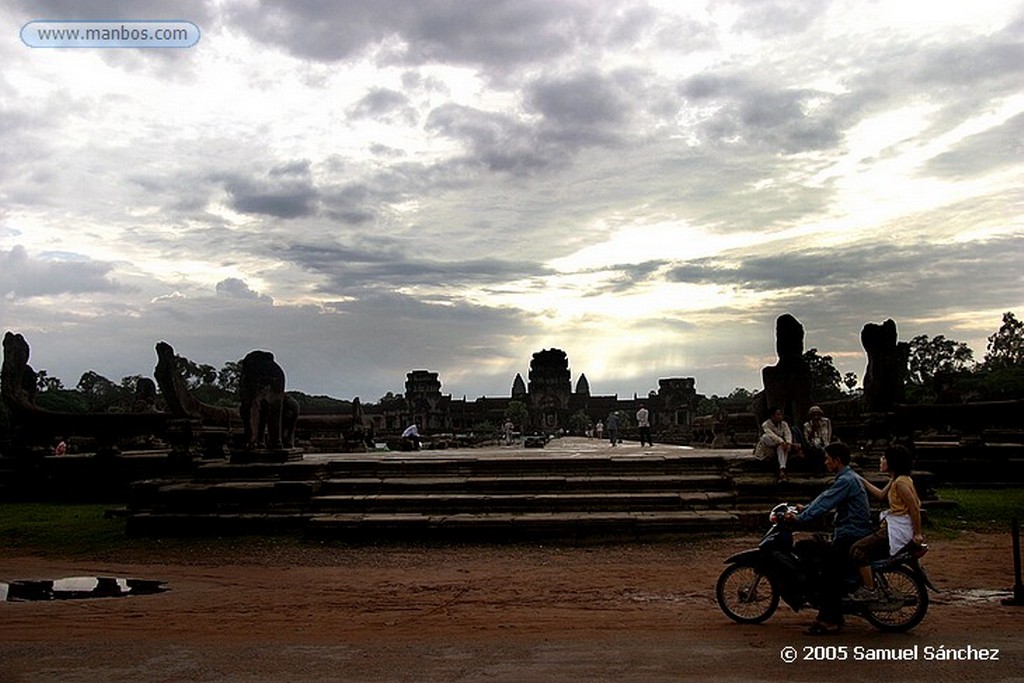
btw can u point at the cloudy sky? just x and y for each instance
(366, 188)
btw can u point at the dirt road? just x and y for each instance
(636, 612)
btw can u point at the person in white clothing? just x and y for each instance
(776, 441)
(411, 436)
(643, 423)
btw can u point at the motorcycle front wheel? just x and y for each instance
(746, 595)
(904, 604)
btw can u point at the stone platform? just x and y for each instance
(574, 488)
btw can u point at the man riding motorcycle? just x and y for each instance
(848, 498)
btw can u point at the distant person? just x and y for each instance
(776, 441)
(599, 430)
(61, 448)
(613, 428)
(643, 423)
(817, 434)
(509, 431)
(411, 437)
(901, 523)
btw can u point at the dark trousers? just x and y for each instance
(834, 571)
(645, 436)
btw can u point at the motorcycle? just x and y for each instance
(750, 588)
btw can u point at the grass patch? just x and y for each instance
(988, 510)
(56, 528)
(83, 530)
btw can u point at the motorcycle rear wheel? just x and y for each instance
(746, 595)
(906, 600)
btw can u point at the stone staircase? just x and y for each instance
(579, 489)
(447, 495)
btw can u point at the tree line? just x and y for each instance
(94, 393)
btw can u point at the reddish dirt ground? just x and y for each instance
(629, 612)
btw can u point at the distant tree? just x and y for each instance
(207, 374)
(850, 381)
(195, 374)
(65, 401)
(100, 393)
(130, 382)
(707, 405)
(485, 428)
(825, 379)
(739, 393)
(321, 404)
(46, 383)
(738, 400)
(1006, 346)
(931, 357)
(517, 412)
(215, 396)
(229, 375)
(579, 422)
(392, 401)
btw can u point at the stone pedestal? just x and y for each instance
(182, 435)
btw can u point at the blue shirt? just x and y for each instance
(848, 498)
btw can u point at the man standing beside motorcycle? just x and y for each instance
(848, 498)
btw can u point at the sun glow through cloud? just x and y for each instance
(646, 185)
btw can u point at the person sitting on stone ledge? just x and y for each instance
(776, 441)
(817, 434)
(411, 437)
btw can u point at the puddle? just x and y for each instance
(970, 596)
(78, 588)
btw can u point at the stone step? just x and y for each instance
(520, 465)
(527, 526)
(525, 484)
(166, 496)
(445, 503)
(301, 470)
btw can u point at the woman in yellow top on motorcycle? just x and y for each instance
(901, 523)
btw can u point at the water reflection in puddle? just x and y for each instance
(78, 588)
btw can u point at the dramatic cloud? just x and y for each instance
(367, 188)
(22, 276)
(237, 289)
(493, 34)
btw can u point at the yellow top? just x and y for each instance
(898, 505)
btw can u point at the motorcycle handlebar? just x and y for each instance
(779, 512)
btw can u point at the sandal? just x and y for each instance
(820, 628)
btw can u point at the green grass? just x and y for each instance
(59, 528)
(988, 509)
(83, 530)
